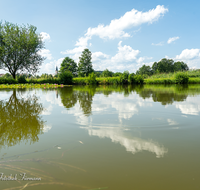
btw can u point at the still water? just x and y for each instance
(105, 137)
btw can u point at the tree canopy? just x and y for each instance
(85, 64)
(144, 70)
(168, 65)
(20, 48)
(69, 64)
(107, 73)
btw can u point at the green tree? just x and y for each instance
(107, 73)
(117, 74)
(145, 70)
(180, 66)
(163, 66)
(20, 48)
(85, 64)
(69, 64)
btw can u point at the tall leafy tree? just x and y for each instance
(180, 66)
(85, 64)
(20, 48)
(107, 73)
(144, 70)
(69, 64)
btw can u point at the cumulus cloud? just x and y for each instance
(45, 36)
(99, 56)
(51, 66)
(46, 53)
(170, 40)
(130, 19)
(187, 54)
(116, 29)
(125, 53)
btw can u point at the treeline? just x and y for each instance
(163, 66)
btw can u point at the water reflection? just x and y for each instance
(133, 145)
(20, 119)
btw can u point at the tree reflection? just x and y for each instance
(68, 97)
(20, 120)
(165, 95)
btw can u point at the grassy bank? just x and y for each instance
(45, 86)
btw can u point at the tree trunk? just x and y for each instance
(14, 76)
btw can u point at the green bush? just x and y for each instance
(91, 79)
(7, 81)
(138, 79)
(22, 80)
(181, 78)
(65, 77)
(131, 78)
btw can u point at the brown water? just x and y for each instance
(106, 137)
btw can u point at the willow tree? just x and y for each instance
(20, 48)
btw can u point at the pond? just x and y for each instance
(104, 137)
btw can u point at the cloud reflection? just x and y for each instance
(133, 145)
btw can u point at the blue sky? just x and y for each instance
(122, 35)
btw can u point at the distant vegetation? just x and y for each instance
(20, 48)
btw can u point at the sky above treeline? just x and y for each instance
(121, 34)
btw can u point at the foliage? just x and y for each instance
(131, 78)
(7, 80)
(181, 78)
(22, 79)
(20, 48)
(138, 79)
(69, 64)
(91, 79)
(7, 75)
(65, 77)
(117, 74)
(107, 73)
(180, 66)
(98, 73)
(168, 65)
(145, 70)
(85, 64)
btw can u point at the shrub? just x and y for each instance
(7, 81)
(65, 77)
(22, 80)
(91, 79)
(131, 78)
(138, 79)
(181, 78)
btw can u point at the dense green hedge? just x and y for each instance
(8, 81)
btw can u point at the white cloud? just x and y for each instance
(45, 36)
(158, 44)
(130, 19)
(125, 53)
(170, 40)
(116, 29)
(188, 54)
(45, 53)
(51, 66)
(99, 56)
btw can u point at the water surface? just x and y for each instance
(105, 137)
